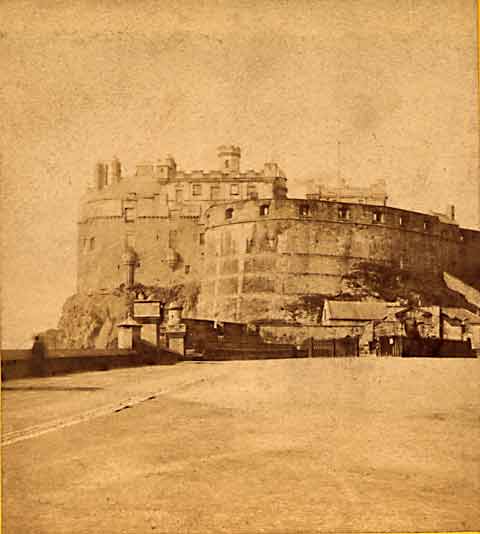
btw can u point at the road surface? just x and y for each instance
(313, 445)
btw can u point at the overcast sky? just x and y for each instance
(393, 80)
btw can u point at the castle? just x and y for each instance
(252, 250)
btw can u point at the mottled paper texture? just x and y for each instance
(360, 90)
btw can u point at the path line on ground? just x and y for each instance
(15, 436)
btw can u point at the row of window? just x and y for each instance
(377, 216)
(89, 243)
(343, 213)
(215, 191)
(263, 210)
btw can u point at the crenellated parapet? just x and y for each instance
(161, 190)
(108, 175)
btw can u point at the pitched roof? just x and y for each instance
(357, 311)
(129, 321)
(462, 314)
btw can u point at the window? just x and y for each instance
(378, 217)
(215, 192)
(178, 195)
(234, 189)
(402, 220)
(84, 243)
(187, 269)
(92, 243)
(343, 213)
(226, 163)
(202, 239)
(196, 190)
(264, 209)
(252, 191)
(129, 214)
(304, 210)
(426, 225)
(228, 213)
(172, 238)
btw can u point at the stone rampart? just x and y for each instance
(260, 256)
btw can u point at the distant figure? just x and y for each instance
(38, 357)
(411, 328)
(220, 330)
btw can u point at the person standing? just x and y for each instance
(38, 357)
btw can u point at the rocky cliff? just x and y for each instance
(89, 320)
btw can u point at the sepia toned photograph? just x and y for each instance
(240, 252)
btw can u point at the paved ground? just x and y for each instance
(267, 446)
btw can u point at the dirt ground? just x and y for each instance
(280, 446)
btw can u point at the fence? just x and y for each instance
(405, 347)
(332, 348)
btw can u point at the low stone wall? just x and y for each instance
(298, 334)
(19, 364)
(267, 351)
(201, 332)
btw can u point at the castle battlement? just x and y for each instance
(108, 175)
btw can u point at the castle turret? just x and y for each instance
(280, 189)
(100, 175)
(129, 261)
(166, 169)
(115, 170)
(229, 156)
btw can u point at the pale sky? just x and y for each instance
(394, 81)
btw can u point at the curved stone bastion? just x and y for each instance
(259, 256)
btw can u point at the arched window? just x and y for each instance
(264, 209)
(378, 217)
(343, 213)
(304, 210)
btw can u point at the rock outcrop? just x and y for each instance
(89, 320)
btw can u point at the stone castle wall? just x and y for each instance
(262, 255)
(154, 217)
(253, 251)
(167, 251)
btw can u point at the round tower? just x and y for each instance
(229, 157)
